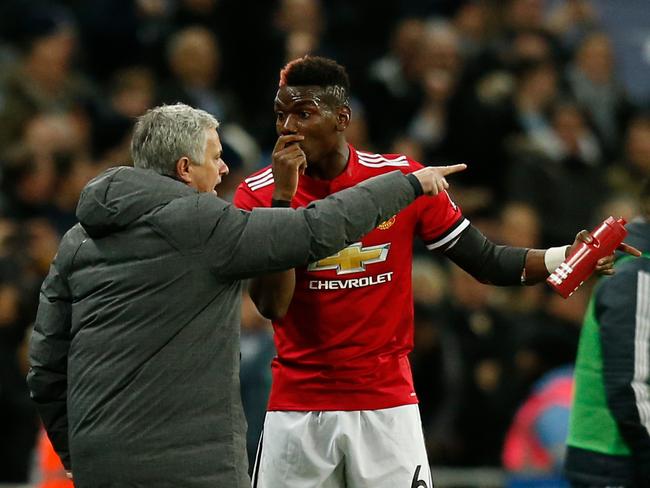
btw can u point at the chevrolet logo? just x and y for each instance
(352, 259)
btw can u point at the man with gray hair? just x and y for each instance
(135, 350)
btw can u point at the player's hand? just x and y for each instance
(433, 178)
(288, 162)
(604, 266)
(68, 474)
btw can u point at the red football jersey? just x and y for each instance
(344, 341)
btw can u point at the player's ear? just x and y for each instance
(343, 118)
(183, 172)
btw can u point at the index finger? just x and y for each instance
(629, 249)
(454, 168)
(286, 139)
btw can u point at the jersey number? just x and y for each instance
(417, 483)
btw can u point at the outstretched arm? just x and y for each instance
(507, 266)
(239, 244)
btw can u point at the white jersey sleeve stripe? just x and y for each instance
(381, 165)
(371, 160)
(263, 182)
(449, 237)
(365, 154)
(260, 176)
(262, 186)
(379, 157)
(641, 340)
(383, 160)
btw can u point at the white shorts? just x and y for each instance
(340, 449)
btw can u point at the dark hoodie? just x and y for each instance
(135, 351)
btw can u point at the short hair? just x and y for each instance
(166, 133)
(317, 71)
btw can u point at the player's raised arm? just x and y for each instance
(272, 293)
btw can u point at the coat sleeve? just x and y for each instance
(48, 355)
(623, 311)
(241, 244)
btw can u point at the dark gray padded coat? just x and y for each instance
(135, 350)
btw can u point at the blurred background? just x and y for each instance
(546, 100)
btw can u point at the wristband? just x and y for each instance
(280, 203)
(554, 256)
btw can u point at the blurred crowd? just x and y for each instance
(546, 100)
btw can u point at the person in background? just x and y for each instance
(534, 447)
(609, 430)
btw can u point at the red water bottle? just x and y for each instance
(579, 265)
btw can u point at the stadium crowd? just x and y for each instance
(532, 94)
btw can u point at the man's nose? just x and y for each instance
(289, 126)
(223, 168)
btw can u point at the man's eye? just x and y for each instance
(279, 115)
(305, 115)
